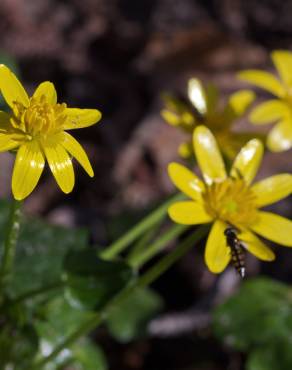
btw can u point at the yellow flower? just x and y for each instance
(205, 109)
(36, 128)
(277, 110)
(230, 200)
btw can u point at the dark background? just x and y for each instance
(119, 56)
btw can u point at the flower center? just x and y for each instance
(231, 201)
(39, 118)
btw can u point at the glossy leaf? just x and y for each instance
(270, 357)
(21, 349)
(40, 251)
(128, 320)
(259, 313)
(92, 282)
(88, 357)
(56, 321)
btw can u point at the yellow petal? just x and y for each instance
(272, 189)
(262, 79)
(256, 247)
(208, 155)
(76, 150)
(79, 118)
(48, 90)
(217, 253)
(280, 137)
(7, 135)
(237, 104)
(283, 62)
(240, 101)
(232, 142)
(197, 95)
(273, 227)
(185, 150)
(188, 213)
(7, 142)
(248, 160)
(11, 89)
(60, 164)
(175, 104)
(268, 112)
(186, 181)
(29, 165)
(170, 117)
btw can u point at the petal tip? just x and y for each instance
(91, 173)
(98, 115)
(171, 212)
(215, 268)
(241, 75)
(280, 52)
(257, 143)
(67, 191)
(3, 66)
(18, 193)
(172, 166)
(201, 128)
(18, 197)
(200, 132)
(271, 258)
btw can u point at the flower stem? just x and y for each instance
(142, 226)
(143, 242)
(147, 278)
(172, 233)
(10, 242)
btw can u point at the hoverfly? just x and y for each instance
(237, 250)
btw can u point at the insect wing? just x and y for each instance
(243, 245)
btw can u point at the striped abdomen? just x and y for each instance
(237, 251)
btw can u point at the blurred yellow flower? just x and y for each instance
(203, 108)
(36, 128)
(277, 110)
(230, 200)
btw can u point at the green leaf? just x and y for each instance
(270, 357)
(88, 357)
(56, 321)
(18, 345)
(90, 281)
(129, 319)
(259, 313)
(40, 252)
(262, 359)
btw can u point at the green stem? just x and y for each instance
(172, 233)
(143, 242)
(10, 242)
(152, 274)
(142, 226)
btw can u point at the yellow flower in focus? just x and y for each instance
(277, 110)
(203, 108)
(226, 200)
(36, 128)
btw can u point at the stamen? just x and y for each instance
(231, 201)
(40, 118)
